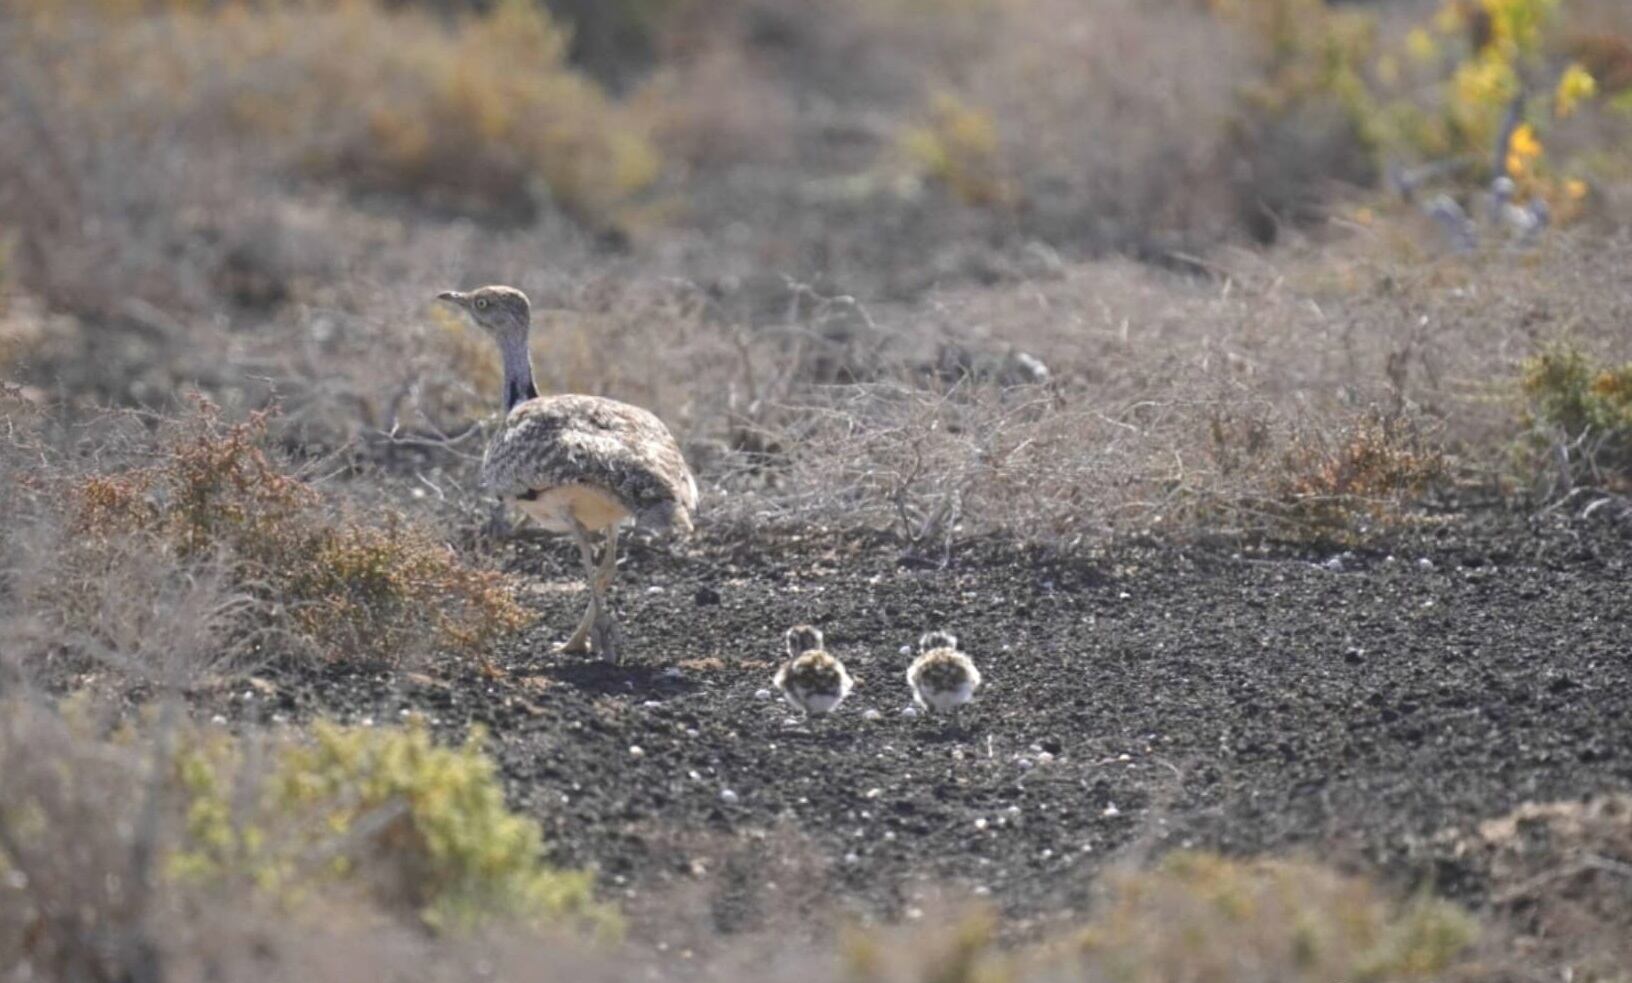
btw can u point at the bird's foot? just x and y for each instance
(578, 644)
(498, 526)
(606, 639)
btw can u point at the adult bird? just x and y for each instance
(579, 465)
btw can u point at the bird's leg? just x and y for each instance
(579, 642)
(605, 628)
(498, 526)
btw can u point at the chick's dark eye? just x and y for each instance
(482, 304)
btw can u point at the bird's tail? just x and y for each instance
(666, 517)
(802, 639)
(937, 640)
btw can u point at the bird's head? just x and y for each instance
(500, 311)
(802, 639)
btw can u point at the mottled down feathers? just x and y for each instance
(624, 450)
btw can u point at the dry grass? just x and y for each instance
(1561, 879)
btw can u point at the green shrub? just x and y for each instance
(1579, 414)
(423, 830)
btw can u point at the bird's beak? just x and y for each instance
(451, 296)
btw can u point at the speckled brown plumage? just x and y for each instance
(942, 677)
(811, 679)
(555, 441)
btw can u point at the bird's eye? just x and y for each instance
(481, 304)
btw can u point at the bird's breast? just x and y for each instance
(556, 508)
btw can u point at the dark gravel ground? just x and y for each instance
(1348, 705)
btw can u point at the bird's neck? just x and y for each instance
(518, 371)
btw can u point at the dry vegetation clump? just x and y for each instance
(172, 852)
(1580, 416)
(1373, 467)
(1202, 917)
(1560, 875)
(210, 537)
(482, 114)
(1198, 916)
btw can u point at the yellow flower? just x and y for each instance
(1574, 85)
(1575, 189)
(1523, 151)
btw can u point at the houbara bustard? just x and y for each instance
(811, 679)
(575, 464)
(942, 677)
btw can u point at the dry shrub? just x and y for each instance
(1560, 874)
(1202, 917)
(378, 591)
(1097, 153)
(483, 114)
(244, 560)
(1371, 468)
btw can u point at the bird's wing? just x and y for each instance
(571, 440)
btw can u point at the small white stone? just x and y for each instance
(1425, 564)
(981, 823)
(1044, 758)
(1124, 757)
(913, 914)
(651, 704)
(851, 858)
(1026, 764)
(367, 721)
(982, 891)
(762, 694)
(218, 720)
(871, 715)
(906, 650)
(636, 751)
(654, 589)
(1111, 811)
(728, 797)
(910, 712)
(874, 793)
(1013, 810)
